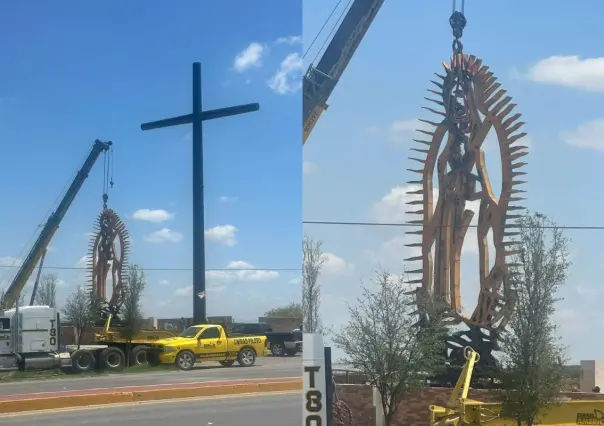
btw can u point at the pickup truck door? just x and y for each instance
(212, 345)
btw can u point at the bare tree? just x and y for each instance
(532, 370)
(132, 314)
(383, 342)
(46, 293)
(311, 290)
(3, 299)
(78, 311)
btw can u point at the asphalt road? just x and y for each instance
(258, 410)
(266, 367)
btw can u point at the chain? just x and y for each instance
(459, 119)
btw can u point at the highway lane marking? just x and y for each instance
(160, 401)
(130, 376)
(208, 383)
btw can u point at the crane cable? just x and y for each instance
(107, 174)
(333, 28)
(27, 246)
(461, 9)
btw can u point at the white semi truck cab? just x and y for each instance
(30, 339)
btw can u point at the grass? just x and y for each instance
(15, 376)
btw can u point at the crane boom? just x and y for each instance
(320, 81)
(51, 226)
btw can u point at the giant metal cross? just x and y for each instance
(196, 118)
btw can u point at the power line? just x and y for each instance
(73, 268)
(413, 225)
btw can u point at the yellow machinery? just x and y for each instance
(462, 411)
(138, 346)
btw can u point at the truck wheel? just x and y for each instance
(246, 357)
(153, 359)
(227, 363)
(277, 349)
(185, 360)
(112, 358)
(138, 355)
(82, 361)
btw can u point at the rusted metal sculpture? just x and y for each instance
(470, 103)
(108, 258)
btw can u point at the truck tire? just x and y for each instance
(246, 357)
(277, 348)
(112, 359)
(228, 363)
(138, 355)
(185, 360)
(82, 361)
(153, 359)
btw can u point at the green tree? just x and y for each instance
(293, 310)
(132, 315)
(381, 340)
(532, 369)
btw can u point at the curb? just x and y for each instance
(119, 397)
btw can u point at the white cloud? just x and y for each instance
(288, 78)
(222, 234)
(227, 199)
(249, 57)
(588, 135)
(239, 270)
(289, 40)
(309, 168)
(155, 216)
(164, 282)
(10, 261)
(82, 262)
(335, 265)
(294, 281)
(164, 235)
(236, 271)
(570, 71)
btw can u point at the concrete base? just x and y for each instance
(592, 375)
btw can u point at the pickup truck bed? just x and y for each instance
(280, 343)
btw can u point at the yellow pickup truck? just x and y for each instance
(207, 342)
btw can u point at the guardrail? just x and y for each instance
(349, 377)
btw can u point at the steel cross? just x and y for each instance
(196, 118)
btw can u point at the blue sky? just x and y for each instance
(98, 70)
(356, 158)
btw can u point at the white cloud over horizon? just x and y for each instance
(250, 57)
(153, 216)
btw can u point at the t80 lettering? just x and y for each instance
(314, 399)
(53, 333)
